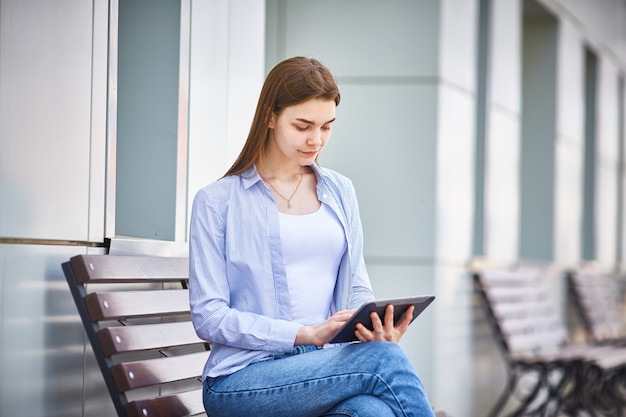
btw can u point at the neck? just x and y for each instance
(280, 171)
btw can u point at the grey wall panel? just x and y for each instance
(371, 34)
(96, 399)
(45, 110)
(538, 137)
(43, 344)
(147, 116)
(384, 140)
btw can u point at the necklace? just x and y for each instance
(292, 194)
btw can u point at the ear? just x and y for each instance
(272, 123)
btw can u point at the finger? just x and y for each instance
(342, 316)
(359, 334)
(406, 317)
(389, 324)
(377, 324)
(366, 333)
(344, 313)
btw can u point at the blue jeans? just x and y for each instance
(374, 379)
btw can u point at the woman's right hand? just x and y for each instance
(320, 334)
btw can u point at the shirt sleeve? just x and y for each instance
(361, 285)
(209, 292)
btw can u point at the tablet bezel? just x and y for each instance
(362, 315)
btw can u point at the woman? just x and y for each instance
(276, 267)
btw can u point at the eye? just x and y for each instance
(326, 127)
(301, 128)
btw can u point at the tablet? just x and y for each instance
(362, 315)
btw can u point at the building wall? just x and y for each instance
(53, 96)
(405, 69)
(52, 119)
(431, 129)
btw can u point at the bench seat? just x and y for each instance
(135, 311)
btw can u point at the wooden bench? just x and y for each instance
(135, 311)
(597, 299)
(534, 342)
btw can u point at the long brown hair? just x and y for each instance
(290, 82)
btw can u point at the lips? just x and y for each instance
(310, 154)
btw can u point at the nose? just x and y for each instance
(315, 138)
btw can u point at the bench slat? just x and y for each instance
(522, 309)
(519, 302)
(183, 404)
(111, 269)
(595, 294)
(137, 374)
(123, 339)
(521, 342)
(128, 304)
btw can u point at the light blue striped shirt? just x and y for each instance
(237, 282)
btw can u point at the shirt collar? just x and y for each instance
(250, 177)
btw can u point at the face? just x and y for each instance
(299, 132)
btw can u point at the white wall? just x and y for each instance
(52, 119)
(622, 179)
(502, 163)
(606, 160)
(569, 146)
(601, 24)
(226, 72)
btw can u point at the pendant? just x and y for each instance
(288, 204)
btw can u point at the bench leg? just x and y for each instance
(515, 375)
(567, 393)
(607, 393)
(542, 385)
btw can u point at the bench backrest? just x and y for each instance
(597, 298)
(135, 311)
(519, 307)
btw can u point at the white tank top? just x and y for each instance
(313, 245)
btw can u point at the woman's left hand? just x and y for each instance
(385, 331)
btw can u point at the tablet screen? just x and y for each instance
(362, 315)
